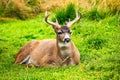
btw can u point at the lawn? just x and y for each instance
(97, 40)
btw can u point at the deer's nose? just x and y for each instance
(67, 39)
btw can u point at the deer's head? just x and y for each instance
(63, 32)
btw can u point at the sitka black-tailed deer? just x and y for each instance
(51, 52)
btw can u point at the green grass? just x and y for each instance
(97, 41)
(65, 14)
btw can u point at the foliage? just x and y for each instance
(65, 14)
(21, 9)
(94, 15)
(97, 41)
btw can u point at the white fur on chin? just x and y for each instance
(63, 44)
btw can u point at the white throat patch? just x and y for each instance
(63, 44)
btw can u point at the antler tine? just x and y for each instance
(46, 19)
(49, 22)
(57, 22)
(70, 23)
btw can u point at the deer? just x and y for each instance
(51, 52)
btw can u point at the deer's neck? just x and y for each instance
(64, 49)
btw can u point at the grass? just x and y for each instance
(97, 40)
(65, 14)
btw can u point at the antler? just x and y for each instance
(56, 24)
(70, 23)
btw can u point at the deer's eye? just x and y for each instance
(59, 33)
(70, 32)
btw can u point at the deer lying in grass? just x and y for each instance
(52, 52)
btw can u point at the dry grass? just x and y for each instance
(26, 8)
(16, 8)
(7, 19)
(55, 4)
(111, 5)
(21, 5)
(102, 5)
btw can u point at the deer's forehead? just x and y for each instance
(64, 29)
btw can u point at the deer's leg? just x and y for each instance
(68, 61)
(22, 54)
(76, 59)
(72, 62)
(51, 63)
(25, 51)
(48, 61)
(76, 56)
(29, 65)
(47, 64)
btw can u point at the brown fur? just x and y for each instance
(51, 52)
(46, 53)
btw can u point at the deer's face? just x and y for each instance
(63, 34)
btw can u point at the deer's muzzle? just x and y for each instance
(67, 40)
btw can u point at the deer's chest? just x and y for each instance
(64, 49)
(65, 52)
